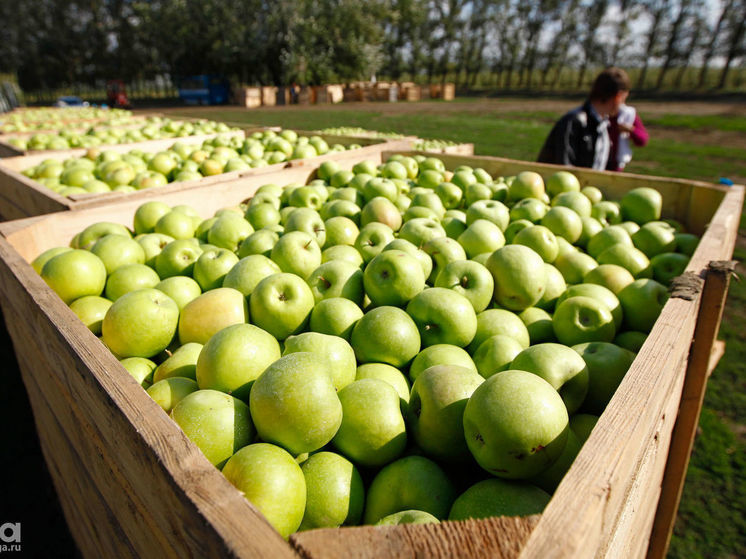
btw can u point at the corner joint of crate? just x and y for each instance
(686, 286)
(725, 267)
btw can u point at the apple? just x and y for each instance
(169, 392)
(516, 227)
(539, 325)
(413, 482)
(561, 367)
(334, 492)
(407, 517)
(470, 279)
(75, 273)
(294, 403)
(234, 357)
(574, 266)
(655, 237)
(393, 277)
(272, 481)
(422, 257)
(541, 240)
(562, 181)
(420, 230)
(147, 215)
(499, 497)
(631, 340)
(443, 316)
(598, 292)
(642, 205)
(140, 369)
(340, 230)
(308, 221)
(152, 245)
(574, 200)
(442, 250)
(211, 312)
(529, 209)
(495, 354)
(372, 432)
(281, 304)
(668, 265)
(297, 253)
(38, 263)
(334, 351)
(491, 210)
(607, 364)
(385, 335)
(130, 277)
(527, 184)
(212, 266)
(454, 226)
(581, 319)
(180, 363)
(389, 374)
(608, 213)
(337, 278)
(116, 251)
(380, 186)
(217, 423)
(592, 193)
(176, 224)
(259, 242)
(642, 301)
(262, 215)
(630, 258)
(140, 323)
(555, 286)
(507, 439)
(91, 310)
(612, 277)
(591, 226)
(563, 222)
(476, 191)
(450, 195)
(686, 243)
(630, 226)
(181, 289)
(520, 277)
(335, 316)
(342, 252)
(499, 321)
(246, 273)
(372, 238)
(549, 479)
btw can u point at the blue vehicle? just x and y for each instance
(70, 101)
(204, 90)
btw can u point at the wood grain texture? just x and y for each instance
(494, 538)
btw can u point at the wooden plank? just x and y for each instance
(718, 350)
(705, 334)
(180, 504)
(494, 538)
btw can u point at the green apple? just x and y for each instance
(333, 350)
(442, 250)
(372, 432)
(272, 481)
(308, 221)
(515, 424)
(88, 236)
(177, 258)
(413, 482)
(294, 403)
(422, 257)
(217, 423)
(591, 226)
(209, 313)
(141, 369)
(91, 310)
(555, 286)
(38, 263)
(246, 273)
(539, 325)
(443, 316)
(181, 289)
(582, 319)
(436, 409)
(495, 354)
(491, 210)
(140, 323)
(281, 304)
(630, 258)
(234, 357)
(229, 231)
(476, 191)
(337, 278)
(153, 244)
(499, 321)
(668, 265)
(340, 230)
(561, 367)
(116, 251)
(581, 424)
(642, 302)
(541, 240)
(389, 374)
(450, 194)
(420, 230)
(169, 392)
(393, 277)
(372, 238)
(385, 335)
(176, 224)
(686, 243)
(576, 201)
(336, 316)
(631, 340)
(527, 184)
(130, 277)
(601, 294)
(470, 279)
(612, 277)
(562, 181)
(607, 364)
(147, 215)
(337, 207)
(592, 193)
(608, 213)
(549, 479)
(630, 226)
(642, 205)
(262, 215)
(181, 363)
(407, 517)
(529, 209)
(334, 492)
(563, 222)
(499, 497)
(297, 253)
(342, 252)
(520, 277)
(655, 237)
(259, 242)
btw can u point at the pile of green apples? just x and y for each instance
(155, 128)
(103, 170)
(433, 145)
(395, 343)
(357, 131)
(49, 118)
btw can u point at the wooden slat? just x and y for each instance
(718, 350)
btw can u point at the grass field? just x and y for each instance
(703, 141)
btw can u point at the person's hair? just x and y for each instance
(608, 83)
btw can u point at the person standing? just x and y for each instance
(580, 138)
(624, 126)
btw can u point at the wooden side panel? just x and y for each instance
(21, 197)
(493, 538)
(121, 457)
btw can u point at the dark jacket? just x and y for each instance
(573, 139)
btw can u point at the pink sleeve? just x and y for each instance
(639, 135)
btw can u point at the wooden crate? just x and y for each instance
(269, 95)
(131, 483)
(22, 197)
(249, 97)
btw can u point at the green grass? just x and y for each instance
(711, 523)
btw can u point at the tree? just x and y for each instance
(735, 46)
(656, 10)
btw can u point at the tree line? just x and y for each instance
(679, 44)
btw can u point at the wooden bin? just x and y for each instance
(131, 484)
(269, 95)
(22, 197)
